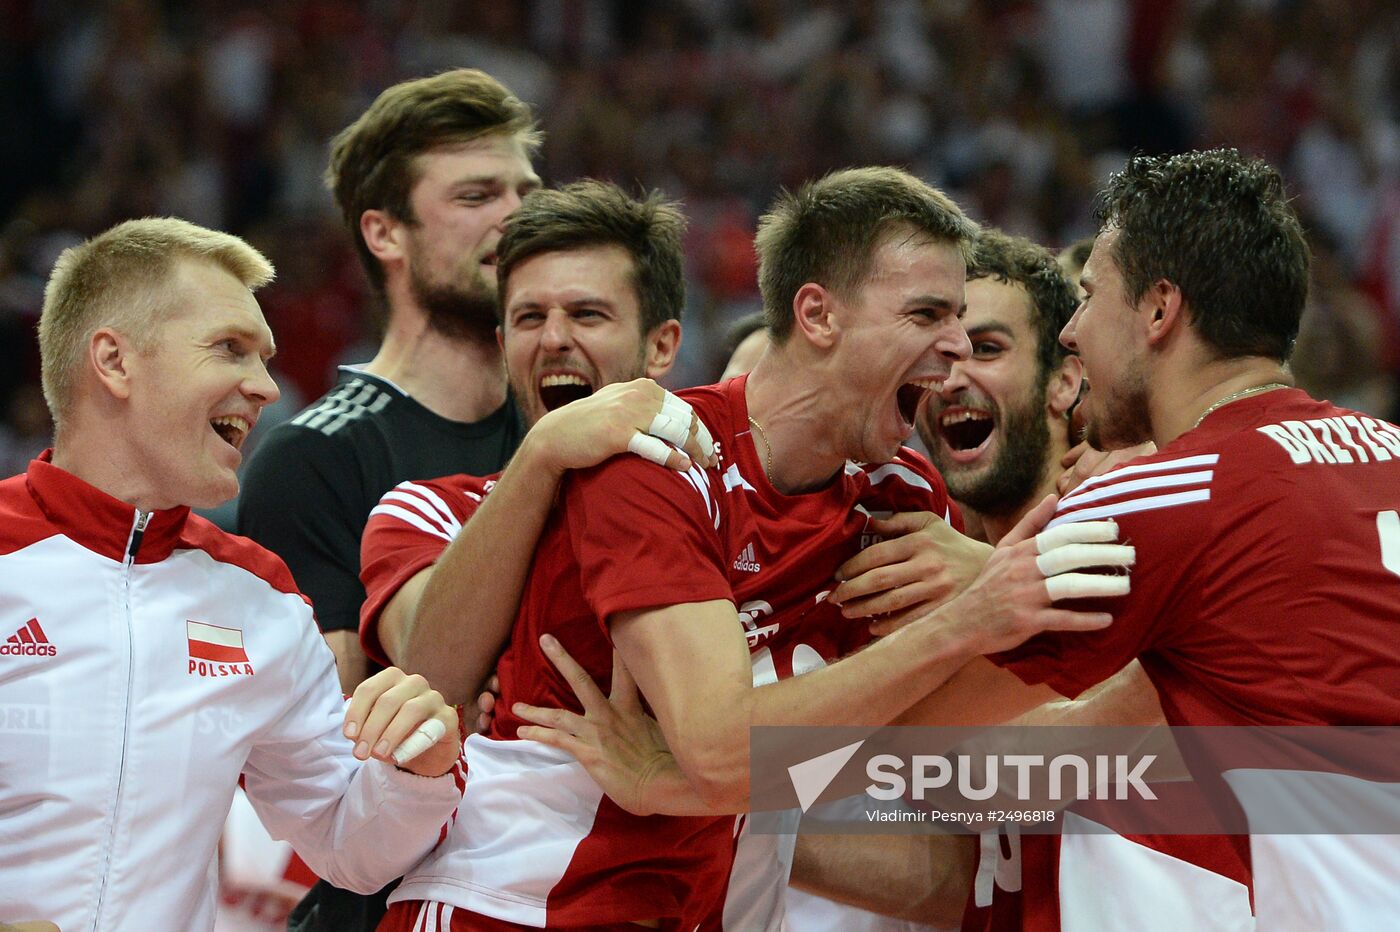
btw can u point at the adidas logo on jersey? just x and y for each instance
(747, 561)
(29, 641)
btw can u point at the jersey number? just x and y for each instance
(1388, 527)
(998, 864)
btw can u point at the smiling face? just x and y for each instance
(460, 203)
(1105, 331)
(898, 336)
(987, 430)
(573, 324)
(197, 389)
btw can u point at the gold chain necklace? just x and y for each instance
(1234, 396)
(767, 448)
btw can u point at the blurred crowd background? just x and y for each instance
(219, 111)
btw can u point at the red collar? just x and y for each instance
(96, 520)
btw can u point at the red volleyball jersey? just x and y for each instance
(1265, 593)
(536, 841)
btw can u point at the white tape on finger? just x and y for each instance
(703, 438)
(649, 448)
(670, 429)
(425, 736)
(676, 407)
(1079, 556)
(1086, 586)
(1083, 532)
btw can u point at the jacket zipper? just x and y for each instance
(138, 530)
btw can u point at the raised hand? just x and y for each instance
(922, 563)
(1013, 598)
(638, 416)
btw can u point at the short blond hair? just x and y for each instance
(117, 279)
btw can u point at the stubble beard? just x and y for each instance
(1014, 476)
(1120, 417)
(527, 393)
(464, 312)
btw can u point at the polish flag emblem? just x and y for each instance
(215, 644)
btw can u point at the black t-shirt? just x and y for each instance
(306, 495)
(313, 480)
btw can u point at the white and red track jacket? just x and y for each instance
(146, 662)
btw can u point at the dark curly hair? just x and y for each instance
(1219, 226)
(1018, 261)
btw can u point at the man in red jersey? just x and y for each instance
(593, 286)
(995, 430)
(1266, 522)
(594, 312)
(863, 277)
(1017, 306)
(567, 323)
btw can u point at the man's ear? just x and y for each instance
(1062, 391)
(662, 344)
(383, 235)
(1165, 308)
(109, 357)
(814, 317)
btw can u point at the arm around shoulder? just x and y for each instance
(451, 620)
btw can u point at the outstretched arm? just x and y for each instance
(693, 667)
(450, 621)
(625, 751)
(695, 672)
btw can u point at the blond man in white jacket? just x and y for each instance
(149, 661)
